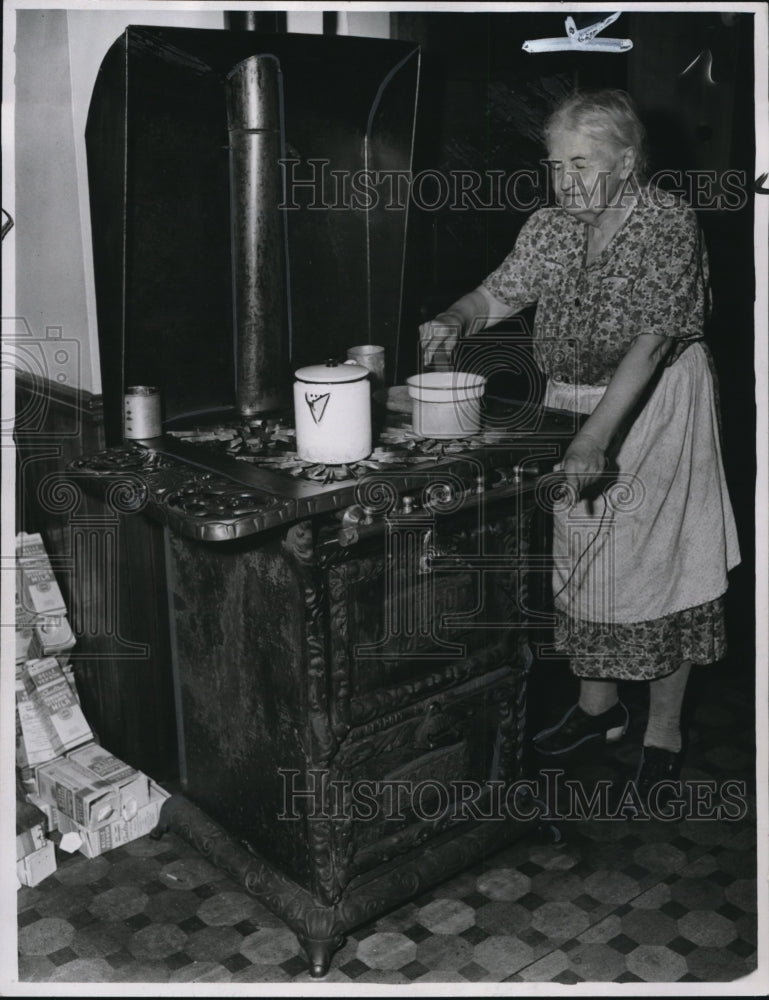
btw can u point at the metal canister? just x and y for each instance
(332, 407)
(141, 412)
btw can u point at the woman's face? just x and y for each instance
(588, 174)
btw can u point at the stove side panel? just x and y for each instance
(238, 612)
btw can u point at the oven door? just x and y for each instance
(429, 661)
(444, 766)
(428, 604)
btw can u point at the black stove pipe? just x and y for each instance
(268, 22)
(258, 234)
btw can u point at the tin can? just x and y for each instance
(370, 356)
(141, 412)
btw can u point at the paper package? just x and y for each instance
(113, 834)
(34, 868)
(36, 584)
(49, 688)
(34, 742)
(87, 799)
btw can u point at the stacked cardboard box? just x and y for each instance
(35, 855)
(25, 626)
(90, 787)
(98, 799)
(42, 628)
(49, 689)
(116, 831)
(76, 787)
(36, 584)
(49, 719)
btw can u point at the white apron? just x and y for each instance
(667, 533)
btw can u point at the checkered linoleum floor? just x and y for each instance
(617, 901)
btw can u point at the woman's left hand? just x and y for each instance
(583, 464)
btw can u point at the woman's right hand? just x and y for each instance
(583, 464)
(438, 338)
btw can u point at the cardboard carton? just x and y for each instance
(34, 740)
(69, 673)
(131, 786)
(51, 637)
(77, 793)
(30, 829)
(25, 629)
(92, 787)
(120, 831)
(48, 809)
(32, 869)
(48, 687)
(36, 584)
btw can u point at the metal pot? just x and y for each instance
(446, 404)
(332, 409)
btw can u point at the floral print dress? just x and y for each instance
(640, 568)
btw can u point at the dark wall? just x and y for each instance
(692, 76)
(482, 103)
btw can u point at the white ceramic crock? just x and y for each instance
(332, 410)
(446, 404)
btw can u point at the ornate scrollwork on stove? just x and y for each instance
(323, 746)
(127, 458)
(215, 508)
(328, 884)
(401, 843)
(119, 473)
(509, 538)
(340, 577)
(199, 503)
(300, 543)
(520, 717)
(324, 742)
(376, 743)
(520, 579)
(207, 496)
(373, 704)
(126, 494)
(508, 756)
(399, 754)
(427, 868)
(321, 929)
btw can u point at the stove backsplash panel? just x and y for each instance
(158, 163)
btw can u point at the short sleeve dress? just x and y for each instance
(640, 569)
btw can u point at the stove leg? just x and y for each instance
(319, 952)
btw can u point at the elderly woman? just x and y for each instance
(619, 274)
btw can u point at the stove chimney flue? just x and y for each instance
(258, 235)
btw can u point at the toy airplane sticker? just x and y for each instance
(581, 39)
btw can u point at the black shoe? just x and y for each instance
(577, 727)
(656, 765)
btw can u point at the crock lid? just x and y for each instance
(332, 371)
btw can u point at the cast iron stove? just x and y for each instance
(233, 477)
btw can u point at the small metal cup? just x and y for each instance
(372, 357)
